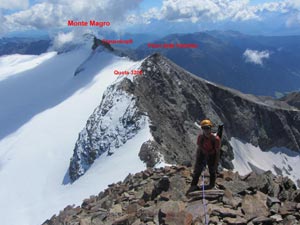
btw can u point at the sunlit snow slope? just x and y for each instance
(43, 109)
(16, 63)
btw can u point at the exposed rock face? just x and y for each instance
(158, 196)
(174, 99)
(149, 153)
(115, 121)
(99, 42)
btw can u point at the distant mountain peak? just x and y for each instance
(99, 42)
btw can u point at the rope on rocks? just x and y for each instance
(204, 202)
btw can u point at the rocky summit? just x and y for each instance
(159, 196)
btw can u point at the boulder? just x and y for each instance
(162, 185)
(277, 217)
(116, 209)
(264, 183)
(196, 208)
(275, 208)
(255, 206)
(127, 219)
(296, 196)
(236, 186)
(263, 220)
(229, 199)
(288, 208)
(224, 212)
(209, 195)
(235, 221)
(173, 213)
(271, 201)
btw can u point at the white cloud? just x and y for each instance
(215, 10)
(14, 4)
(49, 14)
(197, 11)
(3, 28)
(293, 20)
(56, 13)
(62, 39)
(256, 57)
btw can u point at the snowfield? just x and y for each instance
(16, 63)
(43, 109)
(281, 161)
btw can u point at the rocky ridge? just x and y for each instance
(174, 99)
(292, 99)
(158, 196)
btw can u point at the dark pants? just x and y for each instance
(201, 162)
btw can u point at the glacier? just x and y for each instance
(43, 108)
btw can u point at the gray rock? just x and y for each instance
(290, 220)
(263, 220)
(149, 153)
(275, 208)
(236, 186)
(162, 185)
(196, 209)
(224, 212)
(116, 209)
(235, 221)
(289, 184)
(214, 220)
(264, 183)
(296, 196)
(229, 199)
(277, 217)
(255, 206)
(288, 208)
(209, 195)
(271, 201)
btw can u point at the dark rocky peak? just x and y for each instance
(159, 196)
(99, 42)
(292, 99)
(175, 99)
(99, 45)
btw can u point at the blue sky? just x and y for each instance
(254, 17)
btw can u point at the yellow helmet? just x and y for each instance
(206, 123)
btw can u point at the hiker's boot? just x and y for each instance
(194, 183)
(212, 181)
(193, 188)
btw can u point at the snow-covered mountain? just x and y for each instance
(43, 108)
(71, 127)
(113, 123)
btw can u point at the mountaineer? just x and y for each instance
(208, 153)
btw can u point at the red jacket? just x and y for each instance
(209, 145)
